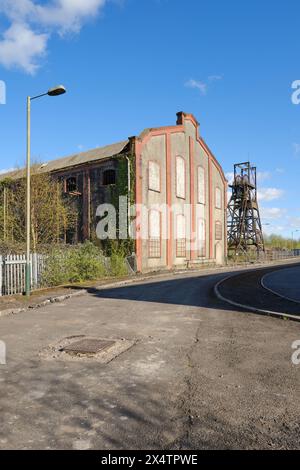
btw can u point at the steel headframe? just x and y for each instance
(244, 224)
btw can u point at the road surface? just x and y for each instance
(200, 375)
(285, 283)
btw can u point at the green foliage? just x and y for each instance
(117, 190)
(81, 263)
(118, 267)
(51, 213)
(283, 243)
(75, 264)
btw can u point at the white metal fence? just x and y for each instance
(13, 272)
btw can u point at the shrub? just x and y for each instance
(118, 265)
(74, 264)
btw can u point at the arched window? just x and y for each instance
(218, 231)
(154, 229)
(201, 185)
(180, 177)
(109, 177)
(154, 176)
(218, 198)
(180, 236)
(201, 238)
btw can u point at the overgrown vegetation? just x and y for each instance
(118, 190)
(52, 214)
(80, 263)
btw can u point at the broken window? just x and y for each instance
(109, 177)
(71, 184)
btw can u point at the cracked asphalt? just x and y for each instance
(200, 376)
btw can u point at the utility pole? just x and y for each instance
(59, 90)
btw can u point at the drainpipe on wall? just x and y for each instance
(128, 196)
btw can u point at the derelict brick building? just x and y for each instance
(169, 166)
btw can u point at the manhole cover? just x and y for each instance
(88, 346)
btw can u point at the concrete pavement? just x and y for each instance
(199, 376)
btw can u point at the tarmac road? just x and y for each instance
(200, 376)
(285, 282)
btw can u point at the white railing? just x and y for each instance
(12, 273)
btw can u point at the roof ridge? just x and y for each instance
(75, 159)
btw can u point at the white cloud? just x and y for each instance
(69, 15)
(296, 148)
(22, 47)
(201, 86)
(294, 223)
(215, 78)
(32, 23)
(269, 194)
(272, 213)
(263, 176)
(2, 172)
(229, 176)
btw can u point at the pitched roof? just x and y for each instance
(74, 160)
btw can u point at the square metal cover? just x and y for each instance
(88, 346)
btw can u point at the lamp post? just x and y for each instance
(56, 91)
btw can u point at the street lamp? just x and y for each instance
(56, 91)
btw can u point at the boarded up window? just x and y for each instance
(201, 238)
(180, 177)
(154, 176)
(180, 236)
(154, 234)
(218, 198)
(219, 231)
(201, 185)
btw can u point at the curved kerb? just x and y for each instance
(270, 313)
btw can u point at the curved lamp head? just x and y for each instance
(56, 91)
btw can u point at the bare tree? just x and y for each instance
(52, 212)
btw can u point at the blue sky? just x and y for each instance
(131, 64)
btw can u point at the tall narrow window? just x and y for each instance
(109, 177)
(201, 238)
(154, 234)
(180, 236)
(218, 231)
(201, 185)
(154, 176)
(218, 198)
(180, 177)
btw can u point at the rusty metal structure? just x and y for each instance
(244, 223)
